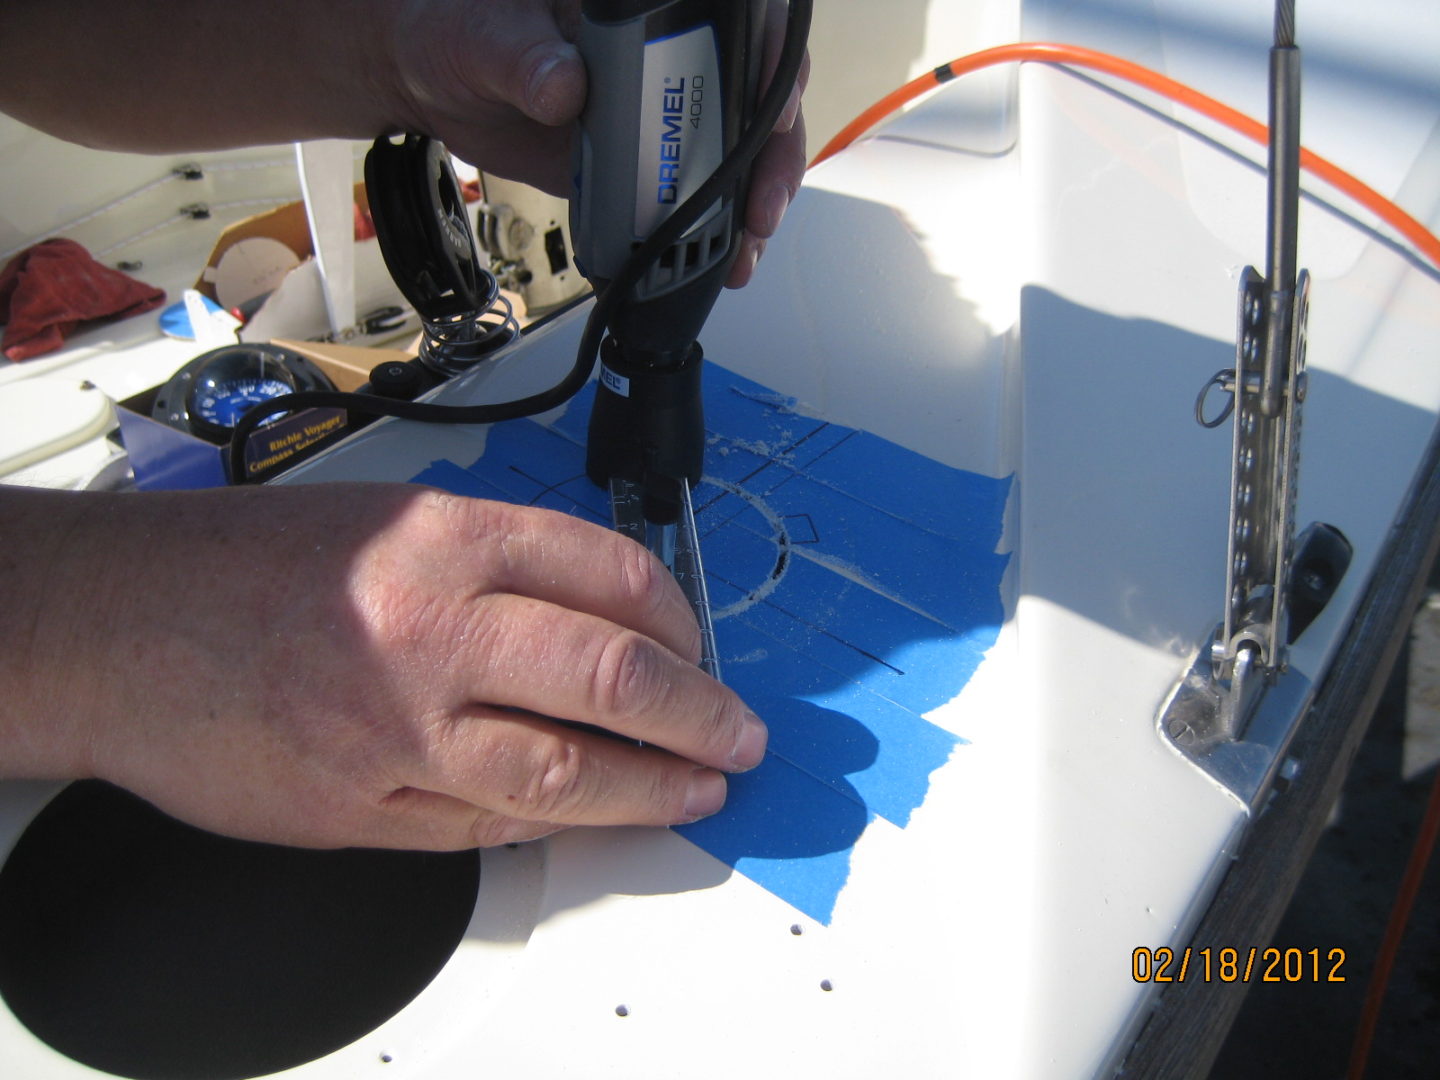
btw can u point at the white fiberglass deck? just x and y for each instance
(1003, 315)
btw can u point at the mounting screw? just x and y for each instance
(622, 1010)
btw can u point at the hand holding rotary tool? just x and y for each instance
(671, 127)
(431, 739)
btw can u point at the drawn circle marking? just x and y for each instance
(781, 536)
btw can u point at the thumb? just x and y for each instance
(546, 81)
(459, 57)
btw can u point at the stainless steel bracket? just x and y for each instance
(1237, 730)
(1236, 676)
(1264, 472)
(1248, 651)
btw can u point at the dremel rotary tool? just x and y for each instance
(673, 89)
(674, 117)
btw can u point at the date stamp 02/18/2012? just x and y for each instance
(1230, 965)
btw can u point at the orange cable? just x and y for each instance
(1052, 53)
(1395, 932)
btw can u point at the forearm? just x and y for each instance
(169, 75)
(124, 612)
(342, 664)
(50, 571)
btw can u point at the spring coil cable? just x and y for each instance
(453, 344)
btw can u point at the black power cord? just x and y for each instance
(767, 112)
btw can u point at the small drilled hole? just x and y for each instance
(826, 984)
(622, 1010)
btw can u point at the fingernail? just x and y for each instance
(750, 746)
(545, 95)
(705, 795)
(777, 201)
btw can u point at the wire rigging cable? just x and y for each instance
(1385, 209)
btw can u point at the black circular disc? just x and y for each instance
(151, 949)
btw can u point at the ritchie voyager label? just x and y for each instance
(681, 133)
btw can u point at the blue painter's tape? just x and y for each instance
(856, 587)
(452, 478)
(788, 833)
(958, 505)
(884, 759)
(897, 557)
(574, 422)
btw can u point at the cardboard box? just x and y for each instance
(286, 224)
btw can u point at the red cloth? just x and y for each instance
(48, 289)
(364, 223)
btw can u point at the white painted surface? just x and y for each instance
(45, 417)
(327, 171)
(1048, 312)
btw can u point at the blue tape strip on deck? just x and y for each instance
(855, 587)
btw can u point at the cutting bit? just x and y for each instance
(677, 546)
